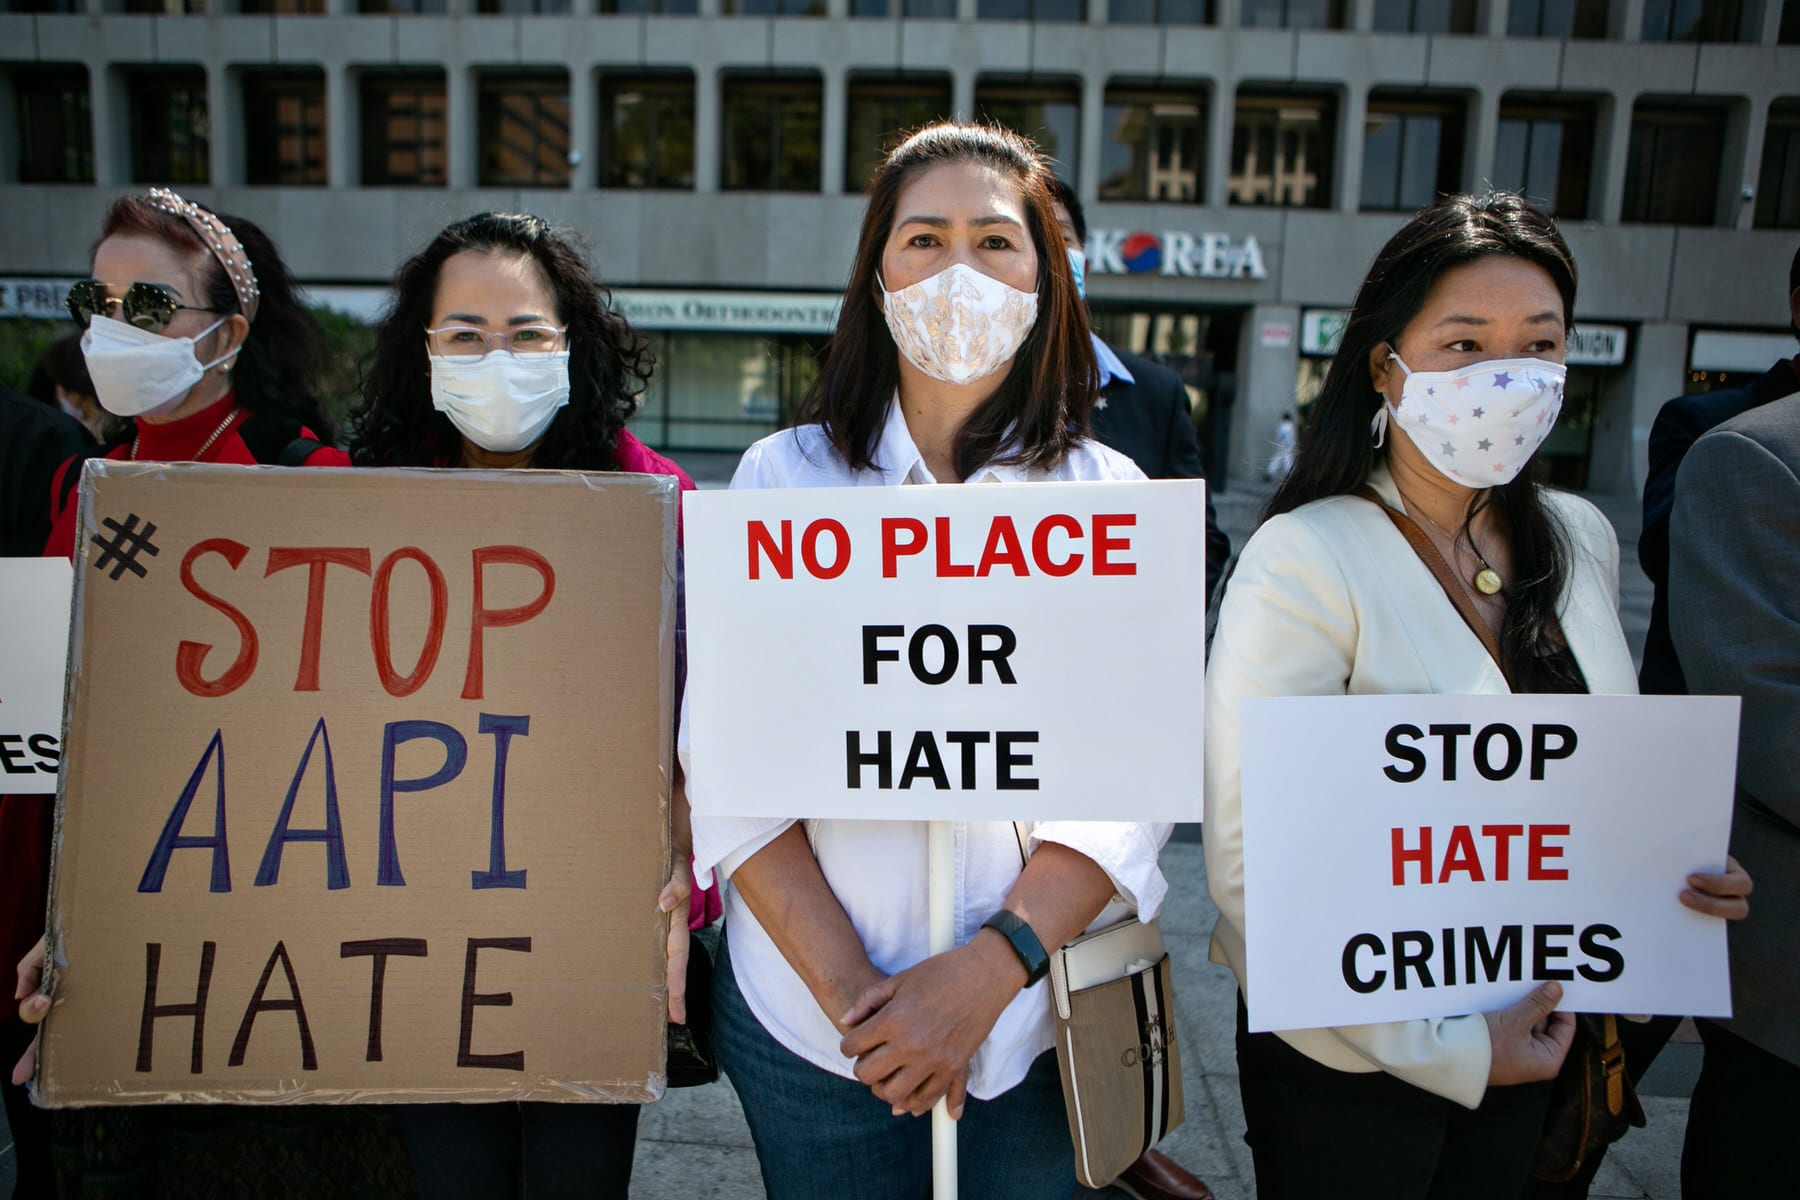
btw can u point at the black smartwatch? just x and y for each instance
(1024, 943)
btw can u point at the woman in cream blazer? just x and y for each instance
(1449, 375)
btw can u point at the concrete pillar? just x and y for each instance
(1770, 33)
(1625, 21)
(462, 132)
(709, 139)
(1482, 139)
(1656, 374)
(1266, 376)
(1362, 15)
(225, 135)
(110, 104)
(962, 94)
(1221, 121)
(1742, 168)
(1353, 114)
(966, 10)
(834, 126)
(1093, 131)
(343, 150)
(1614, 135)
(584, 126)
(1493, 17)
(1229, 14)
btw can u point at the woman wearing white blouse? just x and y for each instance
(961, 355)
(1448, 379)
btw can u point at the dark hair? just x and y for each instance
(1041, 408)
(1794, 286)
(66, 365)
(1336, 452)
(609, 363)
(284, 355)
(1064, 195)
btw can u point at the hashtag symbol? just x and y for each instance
(122, 552)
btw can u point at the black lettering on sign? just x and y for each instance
(471, 999)
(309, 1058)
(152, 1010)
(380, 950)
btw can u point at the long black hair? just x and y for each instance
(609, 362)
(283, 359)
(1337, 453)
(1042, 406)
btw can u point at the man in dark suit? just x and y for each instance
(1734, 553)
(1677, 427)
(35, 439)
(1143, 413)
(1143, 408)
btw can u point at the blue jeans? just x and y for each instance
(819, 1135)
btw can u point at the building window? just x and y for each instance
(56, 138)
(170, 139)
(1032, 10)
(1778, 186)
(525, 130)
(1281, 150)
(1154, 145)
(723, 391)
(284, 8)
(772, 132)
(881, 110)
(284, 123)
(1048, 114)
(930, 10)
(1545, 151)
(45, 6)
(1556, 18)
(1293, 14)
(401, 6)
(773, 8)
(1790, 24)
(1412, 152)
(655, 8)
(647, 131)
(166, 8)
(522, 8)
(1696, 21)
(1425, 16)
(1672, 167)
(403, 129)
(1160, 12)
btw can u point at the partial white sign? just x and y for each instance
(1596, 346)
(1276, 335)
(992, 652)
(742, 312)
(1321, 330)
(1175, 253)
(1428, 856)
(34, 615)
(39, 298)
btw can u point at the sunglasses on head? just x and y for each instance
(149, 306)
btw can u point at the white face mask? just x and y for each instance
(136, 372)
(503, 401)
(959, 325)
(1078, 264)
(1481, 424)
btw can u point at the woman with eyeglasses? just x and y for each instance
(501, 351)
(193, 333)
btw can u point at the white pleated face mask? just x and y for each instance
(959, 325)
(137, 372)
(1480, 424)
(502, 401)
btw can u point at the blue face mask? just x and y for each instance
(1078, 264)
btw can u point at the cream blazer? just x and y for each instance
(1331, 600)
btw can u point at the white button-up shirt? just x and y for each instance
(878, 868)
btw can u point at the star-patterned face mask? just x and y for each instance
(1481, 424)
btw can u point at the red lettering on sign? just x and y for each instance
(892, 548)
(1539, 852)
(1105, 545)
(318, 559)
(781, 557)
(1040, 546)
(189, 656)
(380, 618)
(482, 618)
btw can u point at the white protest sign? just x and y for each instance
(34, 613)
(1428, 856)
(986, 652)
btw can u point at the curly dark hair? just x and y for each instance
(284, 356)
(609, 362)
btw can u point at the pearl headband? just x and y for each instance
(217, 238)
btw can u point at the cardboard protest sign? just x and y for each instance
(1428, 856)
(990, 652)
(34, 623)
(366, 788)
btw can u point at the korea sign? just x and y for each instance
(1195, 256)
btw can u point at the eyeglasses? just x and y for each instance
(149, 306)
(467, 341)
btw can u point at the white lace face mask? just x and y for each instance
(959, 325)
(1480, 424)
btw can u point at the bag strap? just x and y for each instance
(1428, 554)
(1019, 836)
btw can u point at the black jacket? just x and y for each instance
(35, 439)
(1678, 426)
(1149, 422)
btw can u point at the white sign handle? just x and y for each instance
(940, 875)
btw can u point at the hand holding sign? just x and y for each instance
(34, 1006)
(1530, 1039)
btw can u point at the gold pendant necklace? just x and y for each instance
(1487, 581)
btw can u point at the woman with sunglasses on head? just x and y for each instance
(961, 356)
(501, 351)
(194, 334)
